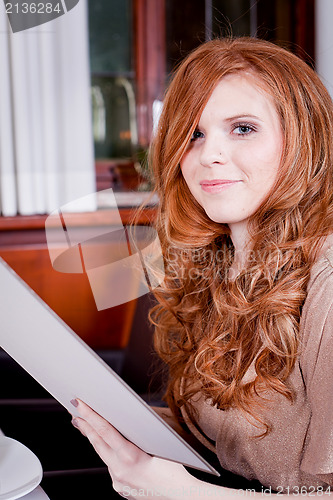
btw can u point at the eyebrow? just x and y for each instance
(242, 116)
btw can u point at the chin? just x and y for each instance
(219, 219)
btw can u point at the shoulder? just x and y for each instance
(320, 286)
(316, 326)
(320, 289)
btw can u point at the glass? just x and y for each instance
(110, 36)
(114, 120)
(112, 76)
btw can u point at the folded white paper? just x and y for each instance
(34, 336)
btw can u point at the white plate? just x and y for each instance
(20, 469)
(36, 494)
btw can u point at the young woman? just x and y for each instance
(243, 166)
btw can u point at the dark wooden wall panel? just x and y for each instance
(69, 295)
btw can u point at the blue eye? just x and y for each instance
(196, 135)
(243, 129)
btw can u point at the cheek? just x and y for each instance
(189, 176)
(269, 153)
(185, 167)
(265, 162)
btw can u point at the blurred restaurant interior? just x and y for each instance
(81, 121)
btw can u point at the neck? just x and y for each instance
(240, 240)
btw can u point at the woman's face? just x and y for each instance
(234, 155)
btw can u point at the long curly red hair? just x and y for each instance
(208, 329)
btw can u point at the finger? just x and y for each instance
(101, 447)
(105, 430)
(75, 422)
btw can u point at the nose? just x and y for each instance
(213, 151)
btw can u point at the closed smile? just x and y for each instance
(216, 185)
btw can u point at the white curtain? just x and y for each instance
(46, 144)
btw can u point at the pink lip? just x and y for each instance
(216, 185)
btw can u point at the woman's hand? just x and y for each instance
(137, 474)
(134, 473)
